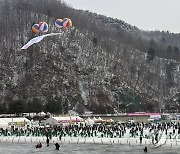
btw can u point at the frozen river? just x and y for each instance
(28, 148)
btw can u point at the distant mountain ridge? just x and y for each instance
(101, 64)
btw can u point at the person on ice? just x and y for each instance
(145, 149)
(60, 137)
(39, 145)
(57, 146)
(47, 141)
(140, 140)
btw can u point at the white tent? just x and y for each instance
(41, 114)
(17, 121)
(110, 120)
(89, 121)
(3, 123)
(63, 120)
(100, 119)
(76, 119)
(155, 117)
(94, 119)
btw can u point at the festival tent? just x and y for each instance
(100, 119)
(41, 114)
(63, 120)
(21, 121)
(110, 121)
(76, 119)
(34, 124)
(155, 116)
(14, 121)
(94, 119)
(3, 123)
(89, 121)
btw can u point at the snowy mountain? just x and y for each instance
(102, 64)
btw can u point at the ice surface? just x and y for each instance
(28, 148)
(26, 145)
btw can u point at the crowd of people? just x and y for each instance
(113, 130)
(152, 131)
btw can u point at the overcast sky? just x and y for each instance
(144, 14)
